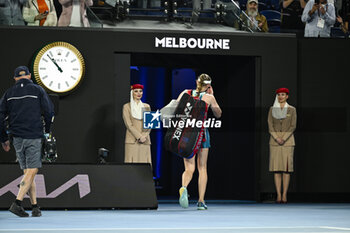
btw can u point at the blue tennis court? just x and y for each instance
(220, 217)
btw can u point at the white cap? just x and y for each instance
(249, 1)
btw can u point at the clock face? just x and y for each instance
(59, 67)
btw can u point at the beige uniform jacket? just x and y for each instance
(283, 128)
(134, 127)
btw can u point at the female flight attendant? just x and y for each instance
(137, 140)
(282, 121)
(205, 92)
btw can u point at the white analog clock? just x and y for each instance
(59, 67)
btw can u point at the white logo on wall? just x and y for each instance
(82, 181)
(192, 43)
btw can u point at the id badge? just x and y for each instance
(320, 23)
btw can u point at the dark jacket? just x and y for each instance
(24, 104)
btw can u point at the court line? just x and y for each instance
(336, 228)
(175, 228)
(190, 231)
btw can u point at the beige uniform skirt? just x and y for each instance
(281, 158)
(137, 153)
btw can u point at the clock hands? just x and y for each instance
(58, 67)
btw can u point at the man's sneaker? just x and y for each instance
(18, 210)
(36, 212)
(183, 200)
(201, 206)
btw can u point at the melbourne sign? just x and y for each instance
(192, 43)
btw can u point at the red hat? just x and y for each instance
(136, 86)
(282, 90)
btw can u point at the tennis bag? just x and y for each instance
(185, 140)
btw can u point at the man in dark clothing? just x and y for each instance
(23, 105)
(291, 11)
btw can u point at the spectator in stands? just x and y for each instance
(319, 18)
(291, 11)
(10, 12)
(40, 13)
(74, 13)
(344, 25)
(257, 21)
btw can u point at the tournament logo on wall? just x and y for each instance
(84, 186)
(82, 180)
